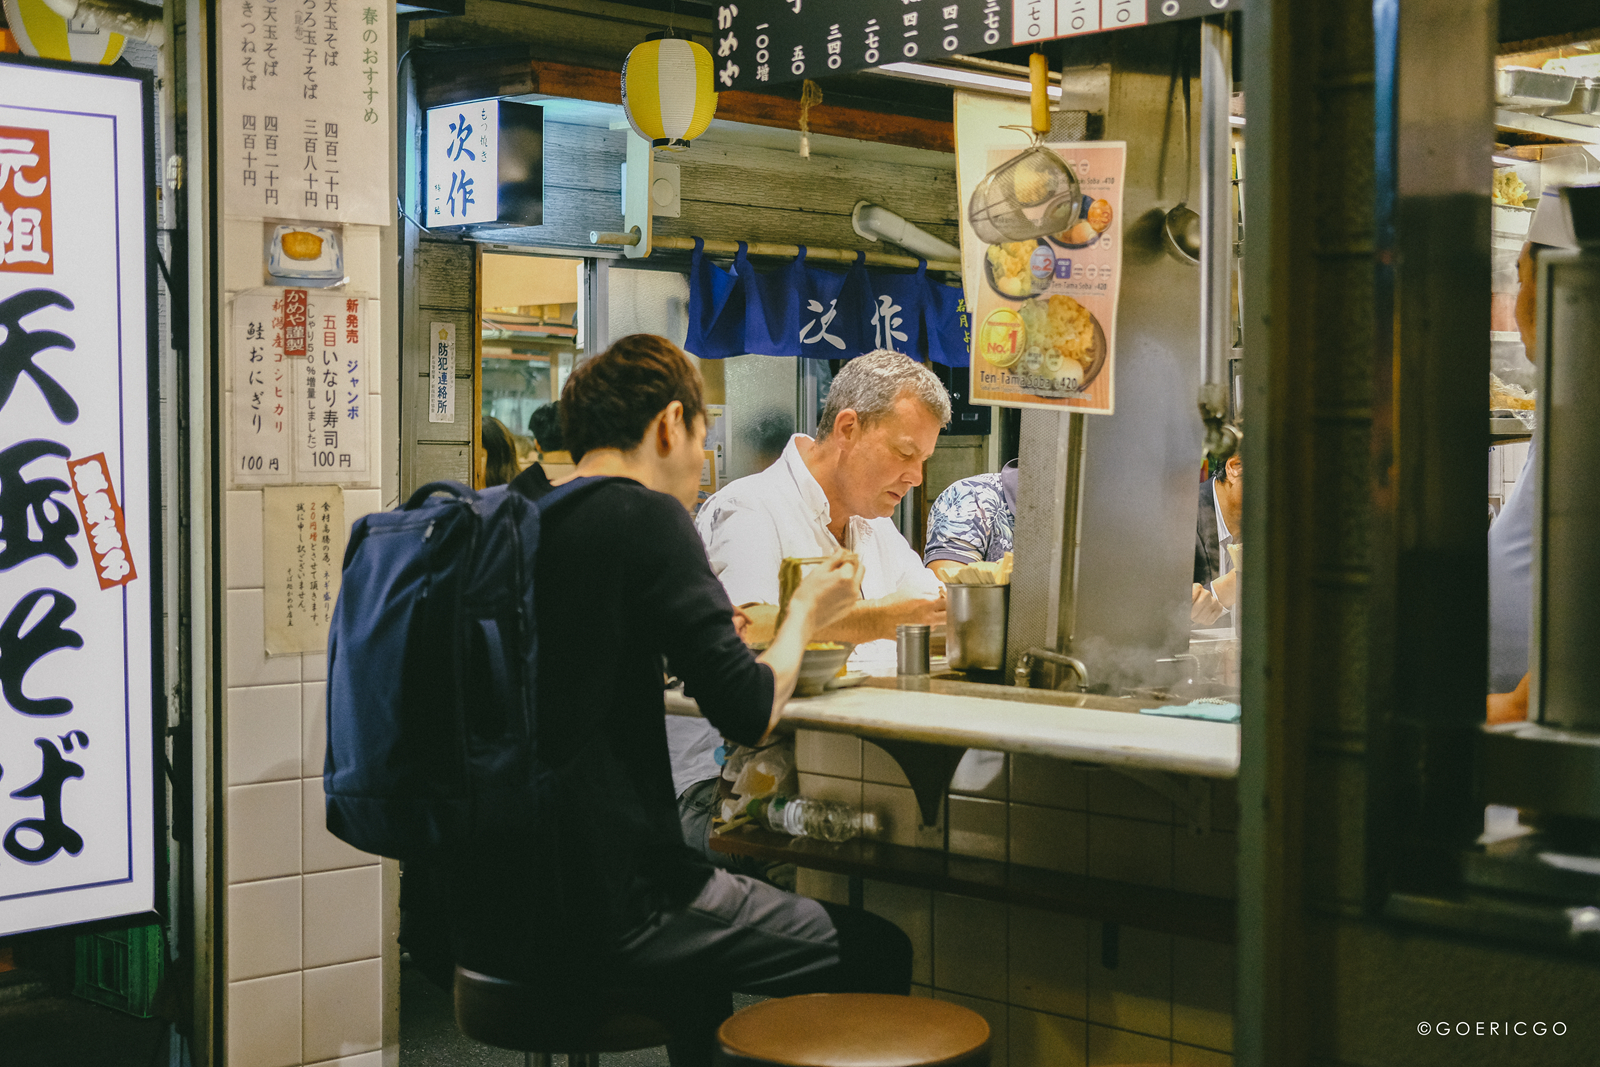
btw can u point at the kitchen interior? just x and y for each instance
(1062, 863)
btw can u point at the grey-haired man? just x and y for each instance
(879, 425)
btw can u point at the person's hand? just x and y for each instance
(1509, 707)
(741, 624)
(1204, 609)
(918, 611)
(829, 590)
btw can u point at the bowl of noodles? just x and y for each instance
(1093, 220)
(1020, 269)
(1063, 347)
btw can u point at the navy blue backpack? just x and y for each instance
(432, 674)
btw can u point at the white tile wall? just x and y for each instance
(1039, 976)
(264, 1021)
(343, 1010)
(828, 753)
(264, 734)
(303, 911)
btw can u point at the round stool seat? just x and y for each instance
(855, 1030)
(547, 1018)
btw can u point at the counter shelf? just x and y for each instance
(1166, 911)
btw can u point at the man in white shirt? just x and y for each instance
(879, 425)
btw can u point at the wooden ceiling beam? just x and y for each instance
(605, 86)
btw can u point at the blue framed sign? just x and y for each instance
(80, 575)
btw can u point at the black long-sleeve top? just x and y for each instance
(621, 583)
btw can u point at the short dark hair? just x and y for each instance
(610, 399)
(545, 426)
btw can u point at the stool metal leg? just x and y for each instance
(583, 1059)
(536, 1059)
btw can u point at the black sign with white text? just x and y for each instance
(766, 42)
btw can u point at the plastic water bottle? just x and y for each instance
(825, 820)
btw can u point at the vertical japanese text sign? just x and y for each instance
(305, 106)
(79, 587)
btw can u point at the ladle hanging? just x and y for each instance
(1034, 194)
(1181, 227)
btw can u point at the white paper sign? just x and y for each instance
(305, 108)
(462, 165)
(302, 537)
(79, 591)
(331, 402)
(442, 372)
(263, 387)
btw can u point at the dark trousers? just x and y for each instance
(742, 935)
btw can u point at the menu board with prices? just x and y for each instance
(300, 388)
(305, 108)
(762, 42)
(303, 537)
(79, 589)
(1044, 318)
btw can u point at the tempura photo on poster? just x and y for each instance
(1045, 311)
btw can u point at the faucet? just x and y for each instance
(1026, 660)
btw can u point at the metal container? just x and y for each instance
(975, 626)
(1531, 87)
(1584, 106)
(911, 647)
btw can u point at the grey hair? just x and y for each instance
(870, 385)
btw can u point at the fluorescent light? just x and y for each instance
(964, 79)
(1236, 120)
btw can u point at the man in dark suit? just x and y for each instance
(1217, 525)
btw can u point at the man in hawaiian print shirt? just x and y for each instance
(973, 521)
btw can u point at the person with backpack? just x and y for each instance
(601, 890)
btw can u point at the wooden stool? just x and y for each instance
(854, 1030)
(539, 1022)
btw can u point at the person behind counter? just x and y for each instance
(973, 521)
(1217, 526)
(603, 889)
(1511, 533)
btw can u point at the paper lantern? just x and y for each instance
(42, 32)
(667, 91)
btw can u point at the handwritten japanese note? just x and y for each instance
(300, 417)
(305, 103)
(303, 538)
(442, 372)
(77, 639)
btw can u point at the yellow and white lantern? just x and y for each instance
(42, 32)
(667, 91)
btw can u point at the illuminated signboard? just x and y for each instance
(484, 165)
(79, 579)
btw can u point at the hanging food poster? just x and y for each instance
(1045, 311)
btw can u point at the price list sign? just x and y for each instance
(304, 99)
(763, 42)
(79, 586)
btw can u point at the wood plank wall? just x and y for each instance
(736, 192)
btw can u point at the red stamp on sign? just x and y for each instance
(25, 232)
(102, 520)
(294, 322)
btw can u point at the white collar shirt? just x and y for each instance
(1224, 536)
(751, 525)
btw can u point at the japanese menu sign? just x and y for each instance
(1044, 317)
(303, 538)
(300, 387)
(79, 590)
(305, 108)
(759, 42)
(442, 372)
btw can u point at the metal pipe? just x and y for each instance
(762, 248)
(1216, 236)
(1072, 663)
